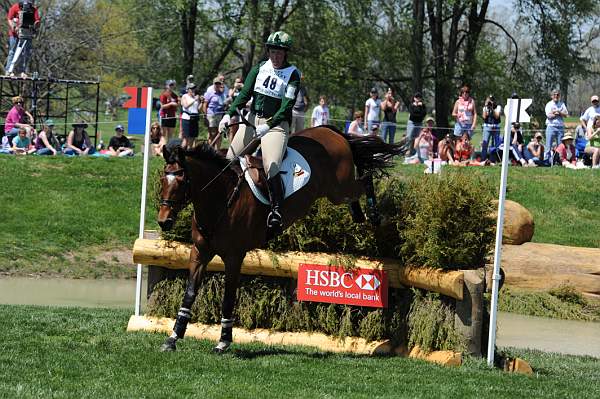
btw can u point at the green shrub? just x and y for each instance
(449, 224)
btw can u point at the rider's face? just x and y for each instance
(277, 57)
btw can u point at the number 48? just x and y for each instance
(272, 85)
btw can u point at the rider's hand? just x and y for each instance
(261, 130)
(224, 124)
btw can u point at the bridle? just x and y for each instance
(186, 183)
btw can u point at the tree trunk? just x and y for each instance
(476, 22)
(188, 35)
(417, 45)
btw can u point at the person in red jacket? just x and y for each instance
(566, 152)
(23, 19)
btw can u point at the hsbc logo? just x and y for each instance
(368, 282)
(326, 278)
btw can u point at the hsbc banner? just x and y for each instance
(334, 284)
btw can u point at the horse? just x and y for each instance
(229, 221)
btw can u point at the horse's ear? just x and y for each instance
(180, 153)
(166, 153)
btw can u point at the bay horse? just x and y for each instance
(229, 221)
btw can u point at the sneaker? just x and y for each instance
(24, 75)
(596, 166)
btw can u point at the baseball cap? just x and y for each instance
(120, 127)
(217, 80)
(538, 134)
(374, 90)
(190, 85)
(49, 122)
(170, 82)
(594, 98)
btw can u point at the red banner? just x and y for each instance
(334, 284)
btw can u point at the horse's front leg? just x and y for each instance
(197, 266)
(233, 265)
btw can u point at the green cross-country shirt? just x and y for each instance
(274, 92)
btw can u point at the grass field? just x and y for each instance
(70, 353)
(63, 215)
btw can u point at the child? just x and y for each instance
(21, 144)
(119, 145)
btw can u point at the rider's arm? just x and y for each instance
(246, 93)
(288, 100)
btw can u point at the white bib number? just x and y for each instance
(274, 82)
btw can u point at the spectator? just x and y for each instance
(446, 149)
(491, 125)
(356, 126)
(592, 147)
(190, 115)
(23, 20)
(463, 150)
(214, 108)
(320, 114)
(46, 142)
(15, 120)
(21, 144)
(425, 142)
(465, 113)
(590, 112)
(416, 113)
(78, 141)
(534, 152)
(119, 145)
(157, 139)
(211, 88)
(168, 109)
(516, 144)
(300, 108)
(556, 110)
(389, 106)
(233, 93)
(565, 152)
(372, 111)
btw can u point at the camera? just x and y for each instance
(26, 19)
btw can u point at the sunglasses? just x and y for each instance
(20, 102)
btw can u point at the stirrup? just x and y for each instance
(274, 219)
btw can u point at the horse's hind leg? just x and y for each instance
(198, 262)
(372, 211)
(356, 211)
(233, 265)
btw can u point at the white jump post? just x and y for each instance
(138, 282)
(516, 113)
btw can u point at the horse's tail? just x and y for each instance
(370, 152)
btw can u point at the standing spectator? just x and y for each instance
(157, 139)
(416, 113)
(534, 152)
(300, 108)
(46, 142)
(356, 126)
(465, 113)
(592, 147)
(21, 144)
(23, 19)
(190, 115)
(425, 142)
(372, 111)
(168, 109)
(233, 93)
(491, 125)
(566, 152)
(15, 120)
(320, 114)
(590, 112)
(389, 106)
(119, 145)
(556, 110)
(78, 141)
(214, 108)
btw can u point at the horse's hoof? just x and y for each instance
(221, 347)
(169, 345)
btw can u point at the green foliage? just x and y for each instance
(449, 225)
(431, 324)
(562, 303)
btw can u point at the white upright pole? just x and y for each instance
(138, 283)
(499, 226)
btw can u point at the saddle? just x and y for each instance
(256, 171)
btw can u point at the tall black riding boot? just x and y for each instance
(274, 220)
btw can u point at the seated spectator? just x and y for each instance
(21, 144)
(157, 139)
(356, 126)
(5, 147)
(534, 152)
(592, 147)
(463, 150)
(425, 142)
(46, 142)
(374, 130)
(566, 152)
(18, 118)
(516, 144)
(446, 149)
(119, 145)
(78, 141)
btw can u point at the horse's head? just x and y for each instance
(175, 187)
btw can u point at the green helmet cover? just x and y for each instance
(279, 39)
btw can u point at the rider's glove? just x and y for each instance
(261, 130)
(224, 124)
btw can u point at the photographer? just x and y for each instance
(190, 105)
(491, 125)
(23, 20)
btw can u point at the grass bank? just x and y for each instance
(76, 353)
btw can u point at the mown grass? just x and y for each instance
(76, 353)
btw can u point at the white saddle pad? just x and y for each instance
(295, 174)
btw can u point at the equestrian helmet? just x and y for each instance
(279, 39)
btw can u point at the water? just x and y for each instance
(69, 292)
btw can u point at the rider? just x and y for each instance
(273, 85)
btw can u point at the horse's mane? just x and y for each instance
(205, 152)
